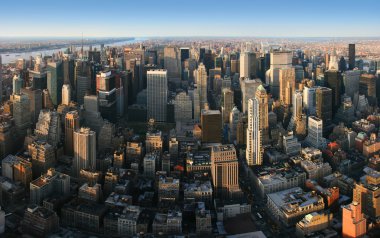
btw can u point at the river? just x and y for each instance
(8, 58)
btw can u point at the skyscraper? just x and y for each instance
(172, 62)
(314, 132)
(228, 104)
(309, 103)
(157, 94)
(351, 82)
(334, 82)
(278, 60)
(17, 84)
(71, 125)
(367, 87)
(297, 104)
(225, 170)
(55, 81)
(324, 105)
(202, 85)
(248, 64)
(183, 107)
(66, 94)
(287, 78)
(84, 150)
(351, 56)
(21, 112)
(248, 90)
(106, 91)
(254, 153)
(262, 97)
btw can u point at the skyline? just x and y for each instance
(200, 19)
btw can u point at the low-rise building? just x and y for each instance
(168, 189)
(289, 206)
(39, 221)
(198, 191)
(313, 222)
(166, 224)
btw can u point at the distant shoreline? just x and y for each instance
(62, 45)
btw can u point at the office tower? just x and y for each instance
(43, 157)
(262, 97)
(84, 150)
(224, 170)
(254, 151)
(211, 123)
(233, 123)
(248, 90)
(334, 82)
(71, 125)
(208, 60)
(351, 56)
(55, 81)
(342, 64)
(351, 80)
(323, 98)
(18, 83)
(278, 60)
(309, 103)
(21, 112)
(157, 94)
(367, 87)
(35, 98)
(172, 62)
(183, 107)
(353, 222)
(66, 94)
(202, 52)
(201, 75)
(48, 127)
(228, 104)
(234, 66)
(314, 132)
(82, 88)
(297, 104)
(185, 53)
(248, 67)
(287, 80)
(68, 70)
(196, 104)
(106, 91)
(173, 148)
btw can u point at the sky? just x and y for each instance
(152, 18)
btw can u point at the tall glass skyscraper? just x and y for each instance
(157, 95)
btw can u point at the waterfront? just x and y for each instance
(9, 58)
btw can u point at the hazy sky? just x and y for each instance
(277, 18)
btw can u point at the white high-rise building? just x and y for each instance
(66, 94)
(278, 60)
(244, 65)
(202, 85)
(254, 138)
(297, 104)
(84, 150)
(157, 94)
(314, 132)
(248, 89)
(309, 101)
